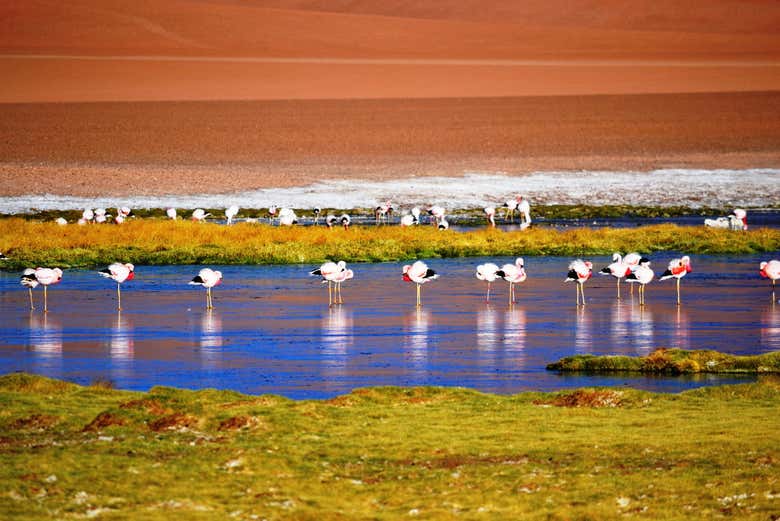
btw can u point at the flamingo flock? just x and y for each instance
(335, 273)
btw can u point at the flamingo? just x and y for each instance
(100, 215)
(231, 212)
(741, 214)
(329, 271)
(87, 215)
(419, 273)
(208, 278)
(287, 217)
(171, 213)
(443, 224)
(119, 219)
(61, 221)
(45, 277)
(416, 215)
(272, 213)
(382, 212)
(119, 273)
(345, 221)
(30, 282)
(337, 280)
(331, 220)
(510, 206)
(317, 212)
(677, 268)
(771, 270)
(579, 271)
(632, 261)
(643, 275)
(490, 215)
(513, 274)
(489, 273)
(199, 215)
(525, 211)
(125, 212)
(618, 269)
(437, 212)
(407, 220)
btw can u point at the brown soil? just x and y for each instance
(585, 398)
(36, 421)
(103, 420)
(376, 89)
(152, 407)
(173, 421)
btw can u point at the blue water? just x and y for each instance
(273, 332)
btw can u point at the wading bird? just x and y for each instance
(2, 256)
(317, 213)
(511, 206)
(345, 220)
(29, 281)
(329, 271)
(641, 274)
(513, 274)
(337, 280)
(119, 273)
(490, 215)
(100, 216)
(419, 273)
(208, 278)
(437, 212)
(287, 217)
(331, 220)
(525, 211)
(618, 269)
(383, 211)
(407, 220)
(489, 273)
(678, 268)
(443, 224)
(771, 270)
(171, 213)
(61, 221)
(199, 215)
(579, 271)
(45, 277)
(230, 213)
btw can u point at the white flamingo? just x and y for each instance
(119, 273)
(29, 281)
(230, 213)
(419, 273)
(641, 274)
(618, 269)
(207, 278)
(45, 277)
(513, 274)
(579, 271)
(199, 215)
(489, 273)
(329, 271)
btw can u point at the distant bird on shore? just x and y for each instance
(2, 256)
(511, 206)
(490, 215)
(329, 271)
(437, 212)
(407, 220)
(61, 221)
(29, 281)
(383, 211)
(524, 208)
(678, 268)
(272, 210)
(171, 213)
(735, 221)
(489, 273)
(771, 270)
(317, 213)
(208, 278)
(345, 221)
(199, 215)
(287, 217)
(230, 213)
(579, 271)
(43, 276)
(331, 220)
(443, 224)
(618, 269)
(119, 273)
(641, 274)
(100, 216)
(419, 273)
(87, 215)
(513, 274)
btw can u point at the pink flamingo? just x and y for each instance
(643, 275)
(329, 271)
(678, 268)
(514, 274)
(119, 273)
(419, 273)
(579, 271)
(45, 277)
(771, 270)
(208, 278)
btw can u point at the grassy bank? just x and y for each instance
(183, 242)
(673, 361)
(387, 453)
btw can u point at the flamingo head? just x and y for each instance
(762, 271)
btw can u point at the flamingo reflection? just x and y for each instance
(487, 333)
(418, 323)
(640, 323)
(337, 338)
(770, 327)
(210, 337)
(514, 336)
(46, 335)
(121, 344)
(583, 337)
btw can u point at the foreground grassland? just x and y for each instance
(673, 361)
(148, 242)
(387, 453)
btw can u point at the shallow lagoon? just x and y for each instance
(272, 330)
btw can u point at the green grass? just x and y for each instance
(673, 361)
(387, 453)
(148, 242)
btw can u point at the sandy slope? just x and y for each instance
(445, 88)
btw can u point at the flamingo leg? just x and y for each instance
(419, 300)
(618, 288)
(31, 299)
(773, 291)
(45, 301)
(582, 292)
(487, 297)
(341, 299)
(678, 292)
(577, 287)
(330, 298)
(118, 298)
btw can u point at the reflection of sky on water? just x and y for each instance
(770, 326)
(273, 332)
